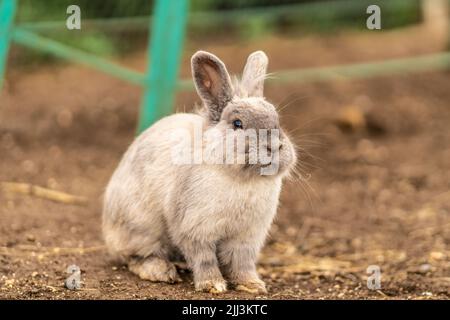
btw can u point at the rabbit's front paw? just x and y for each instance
(251, 286)
(155, 269)
(211, 286)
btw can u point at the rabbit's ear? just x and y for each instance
(212, 81)
(254, 74)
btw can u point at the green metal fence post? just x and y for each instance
(7, 10)
(166, 41)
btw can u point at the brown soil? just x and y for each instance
(374, 188)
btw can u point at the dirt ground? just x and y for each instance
(374, 189)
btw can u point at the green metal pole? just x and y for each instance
(168, 27)
(7, 10)
(38, 42)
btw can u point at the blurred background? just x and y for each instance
(368, 109)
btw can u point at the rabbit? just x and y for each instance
(216, 215)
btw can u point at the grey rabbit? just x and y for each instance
(216, 215)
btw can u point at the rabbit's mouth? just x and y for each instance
(266, 165)
(263, 169)
(256, 165)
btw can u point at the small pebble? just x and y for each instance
(425, 268)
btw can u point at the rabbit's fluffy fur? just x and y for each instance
(216, 216)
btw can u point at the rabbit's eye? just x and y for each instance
(237, 124)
